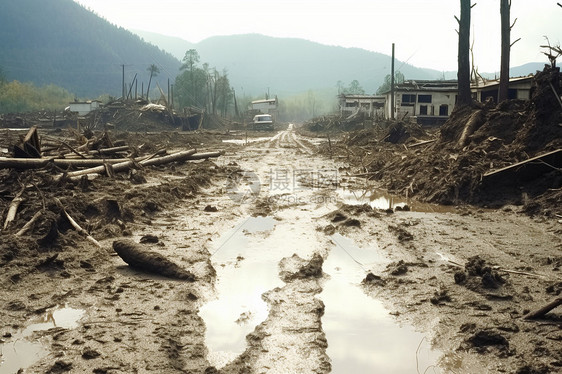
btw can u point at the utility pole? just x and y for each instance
(392, 85)
(123, 83)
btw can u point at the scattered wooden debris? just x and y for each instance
(76, 225)
(137, 256)
(13, 209)
(543, 310)
(526, 170)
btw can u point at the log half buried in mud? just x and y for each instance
(139, 257)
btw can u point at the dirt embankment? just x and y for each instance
(474, 141)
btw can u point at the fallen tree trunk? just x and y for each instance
(474, 122)
(201, 156)
(179, 156)
(37, 163)
(139, 257)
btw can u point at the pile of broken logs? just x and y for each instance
(75, 159)
(93, 157)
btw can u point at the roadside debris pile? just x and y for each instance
(62, 189)
(491, 156)
(334, 123)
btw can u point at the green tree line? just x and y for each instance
(203, 87)
(17, 97)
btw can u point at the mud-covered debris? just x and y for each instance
(149, 238)
(60, 366)
(338, 217)
(329, 229)
(477, 267)
(554, 289)
(460, 277)
(15, 305)
(142, 258)
(401, 233)
(352, 222)
(487, 337)
(528, 369)
(373, 279)
(313, 269)
(295, 267)
(397, 268)
(440, 297)
(89, 354)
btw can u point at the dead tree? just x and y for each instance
(505, 10)
(463, 74)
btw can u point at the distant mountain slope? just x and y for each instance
(175, 46)
(60, 42)
(256, 63)
(286, 65)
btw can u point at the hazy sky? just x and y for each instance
(423, 30)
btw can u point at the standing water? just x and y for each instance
(362, 336)
(245, 270)
(21, 351)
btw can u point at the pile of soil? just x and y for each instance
(475, 140)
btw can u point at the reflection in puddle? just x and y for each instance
(239, 307)
(380, 199)
(362, 336)
(246, 140)
(21, 351)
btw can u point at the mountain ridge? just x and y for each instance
(60, 42)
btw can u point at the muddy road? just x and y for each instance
(299, 268)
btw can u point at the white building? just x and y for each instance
(369, 105)
(519, 88)
(83, 107)
(266, 106)
(427, 102)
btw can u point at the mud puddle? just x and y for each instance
(246, 140)
(380, 199)
(246, 268)
(21, 350)
(362, 336)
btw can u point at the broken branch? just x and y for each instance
(76, 225)
(545, 309)
(30, 223)
(12, 210)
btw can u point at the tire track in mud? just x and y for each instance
(291, 338)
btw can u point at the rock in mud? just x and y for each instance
(374, 280)
(60, 367)
(397, 268)
(142, 258)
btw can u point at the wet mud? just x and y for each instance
(294, 266)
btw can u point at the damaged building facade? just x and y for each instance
(427, 102)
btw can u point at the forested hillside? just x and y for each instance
(59, 42)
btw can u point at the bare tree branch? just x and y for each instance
(511, 45)
(513, 24)
(458, 20)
